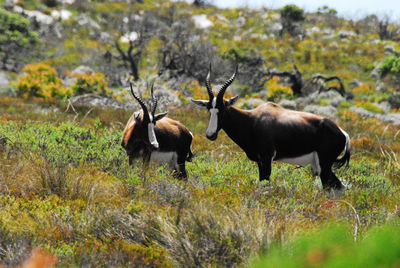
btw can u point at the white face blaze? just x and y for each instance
(213, 124)
(152, 134)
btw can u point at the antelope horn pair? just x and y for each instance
(222, 90)
(143, 105)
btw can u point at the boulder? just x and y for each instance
(105, 38)
(129, 37)
(166, 98)
(201, 21)
(276, 27)
(85, 21)
(91, 100)
(390, 50)
(4, 79)
(288, 104)
(392, 118)
(62, 14)
(34, 15)
(375, 73)
(363, 112)
(69, 81)
(241, 21)
(327, 111)
(355, 83)
(82, 69)
(346, 34)
(385, 106)
(250, 103)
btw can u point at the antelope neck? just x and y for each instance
(237, 125)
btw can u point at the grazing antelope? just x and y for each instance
(271, 133)
(157, 138)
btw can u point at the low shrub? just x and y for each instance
(390, 65)
(41, 80)
(94, 83)
(369, 107)
(277, 91)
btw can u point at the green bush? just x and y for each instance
(16, 38)
(390, 65)
(334, 246)
(91, 83)
(290, 15)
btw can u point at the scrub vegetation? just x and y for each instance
(69, 198)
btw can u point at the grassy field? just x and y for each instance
(66, 188)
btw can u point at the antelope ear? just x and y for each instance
(159, 116)
(202, 103)
(231, 101)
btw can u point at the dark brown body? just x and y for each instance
(272, 133)
(174, 143)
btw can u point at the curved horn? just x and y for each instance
(208, 84)
(228, 82)
(142, 104)
(154, 100)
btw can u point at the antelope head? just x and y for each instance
(140, 127)
(216, 105)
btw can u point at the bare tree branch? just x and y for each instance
(295, 78)
(341, 90)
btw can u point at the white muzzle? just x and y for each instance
(213, 124)
(152, 136)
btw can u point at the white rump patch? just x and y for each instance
(171, 158)
(152, 136)
(213, 124)
(304, 160)
(347, 144)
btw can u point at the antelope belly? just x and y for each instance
(302, 160)
(164, 157)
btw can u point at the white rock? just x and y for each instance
(276, 26)
(222, 18)
(288, 104)
(4, 79)
(346, 34)
(328, 111)
(18, 9)
(34, 14)
(68, 2)
(315, 29)
(82, 70)
(201, 21)
(132, 36)
(62, 14)
(241, 21)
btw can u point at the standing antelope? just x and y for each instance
(157, 138)
(271, 133)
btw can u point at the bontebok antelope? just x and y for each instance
(271, 133)
(157, 138)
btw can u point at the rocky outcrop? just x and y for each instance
(393, 118)
(326, 111)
